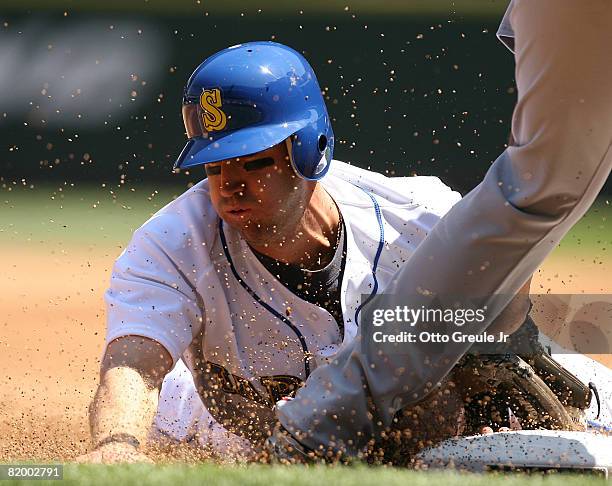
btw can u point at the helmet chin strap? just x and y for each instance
(320, 166)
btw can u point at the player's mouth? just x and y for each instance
(237, 214)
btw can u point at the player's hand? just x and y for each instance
(113, 453)
(514, 425)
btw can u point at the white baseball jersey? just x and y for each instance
(192, 283)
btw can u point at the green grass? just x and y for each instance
(105, 217)
(209, 474)
(84, 215)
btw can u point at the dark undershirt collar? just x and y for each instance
(320, 287)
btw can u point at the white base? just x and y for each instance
(523, 450)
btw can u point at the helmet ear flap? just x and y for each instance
(310, 151)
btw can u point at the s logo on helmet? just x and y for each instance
(213, 117)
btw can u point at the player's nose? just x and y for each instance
(231, 180)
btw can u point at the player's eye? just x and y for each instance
(212, 169)
(258, 163)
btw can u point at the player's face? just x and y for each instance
(260, 195)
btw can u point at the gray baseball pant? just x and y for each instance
(497, 236)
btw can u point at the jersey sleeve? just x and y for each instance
(427, 192)
(431, 194)
(149, 296)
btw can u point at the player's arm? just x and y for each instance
(125, 403)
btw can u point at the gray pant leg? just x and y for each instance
(497, 236)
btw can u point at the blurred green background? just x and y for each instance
(91, 90)
(90, 96)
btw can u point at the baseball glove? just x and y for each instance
(525, 383)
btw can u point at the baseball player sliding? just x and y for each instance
(255, 278)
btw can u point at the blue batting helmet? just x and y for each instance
(250, 97)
